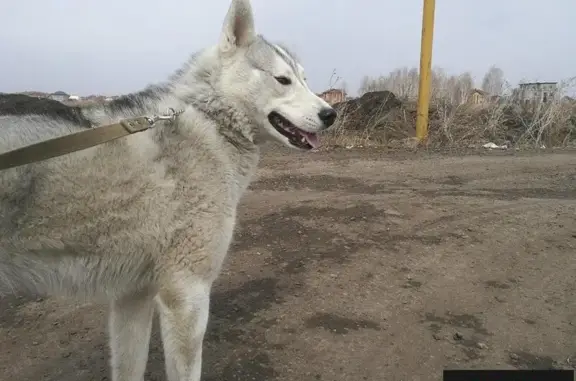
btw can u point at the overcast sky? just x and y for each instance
(117, 46)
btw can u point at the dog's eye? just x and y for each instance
(283, 80)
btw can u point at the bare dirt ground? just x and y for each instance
(360, 265)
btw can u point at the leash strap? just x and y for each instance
(74, 142)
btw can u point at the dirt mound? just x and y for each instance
(365, 111)
(20, 104)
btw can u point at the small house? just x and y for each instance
(333, 96)
(59, 96)
(478, 97)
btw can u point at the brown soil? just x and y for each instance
(360, 265)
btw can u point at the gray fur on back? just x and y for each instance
(108, 221)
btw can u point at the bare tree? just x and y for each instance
(365, 85)
(457, 88)
(403, 83)
(466, 85)
(334, 78)
(438, 83)
(493, 82)
(344, 87)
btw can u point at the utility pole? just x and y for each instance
(425, 70)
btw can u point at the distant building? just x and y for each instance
(536, 92)
(73, 98)
(111, 98)
(59, 96)
(35, 94)
(94, 99)
(333, 96)
(478, 97)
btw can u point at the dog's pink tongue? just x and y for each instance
(312, 139)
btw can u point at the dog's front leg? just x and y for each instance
(183, 318)
(129, 328)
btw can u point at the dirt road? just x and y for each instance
(358, 265)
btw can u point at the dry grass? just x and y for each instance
(505, 122)
(383, 127)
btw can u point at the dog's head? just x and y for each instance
(269, 82)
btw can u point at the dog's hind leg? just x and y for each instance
(183, 312)
(130, 326)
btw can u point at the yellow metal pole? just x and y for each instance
(425, 70)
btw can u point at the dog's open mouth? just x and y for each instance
(297, 137)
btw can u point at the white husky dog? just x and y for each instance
(146, 221)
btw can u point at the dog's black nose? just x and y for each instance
(328, 116)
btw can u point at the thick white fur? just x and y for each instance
(145, 222)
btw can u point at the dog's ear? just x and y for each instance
(238, 27)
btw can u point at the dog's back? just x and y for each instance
(50, 211)
(93, 223)
(19, 129)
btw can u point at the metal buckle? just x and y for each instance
(171, 116)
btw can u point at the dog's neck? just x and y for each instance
(235, 127)
(233, 124)
(189, 87)
(194, 86)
